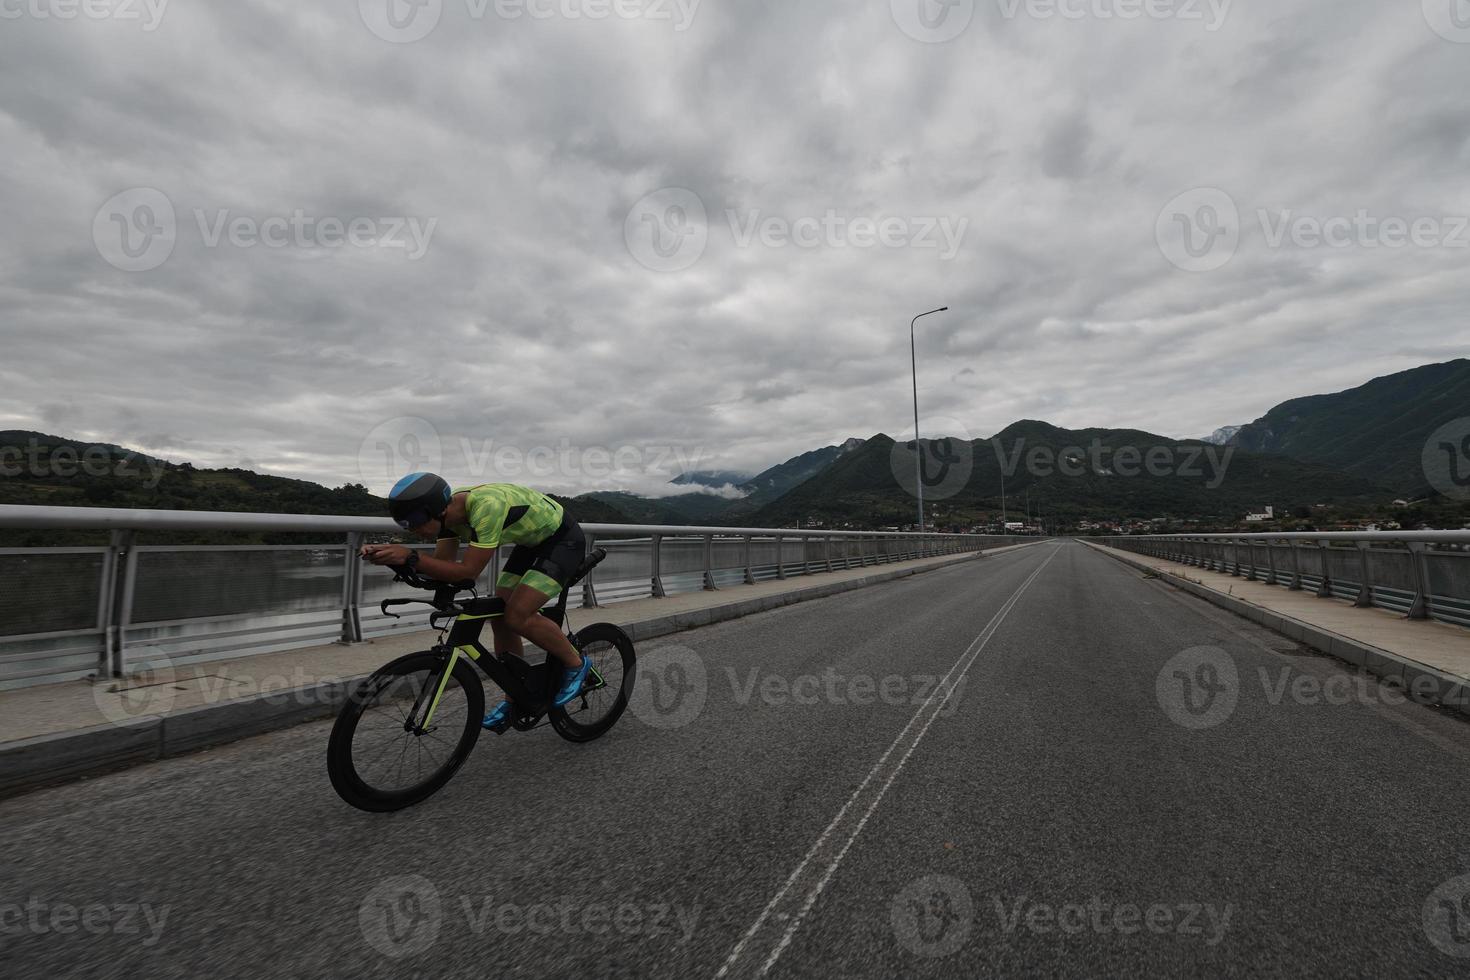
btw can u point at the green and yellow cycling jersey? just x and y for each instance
(505, 513)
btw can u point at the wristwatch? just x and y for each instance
(413, 559)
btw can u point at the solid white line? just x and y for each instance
(967, 659)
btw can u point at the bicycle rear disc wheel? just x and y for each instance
(378, 759)
(609, 683)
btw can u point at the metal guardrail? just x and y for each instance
(119, 609)
(1422, 574)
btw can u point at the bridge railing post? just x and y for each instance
(1296, 566)
(749, 575)
(1419, 555)
(589, 594)
(828, 539)
(109, 603)
(1365, 577)
(780, 557)
(123, 612)
(351, 590)
(656, 577)
(1324, 588)
(709, 563)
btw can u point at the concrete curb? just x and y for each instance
(1421, 681)
(61, 757)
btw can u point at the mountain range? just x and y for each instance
(1359, 447)
(1376, 430)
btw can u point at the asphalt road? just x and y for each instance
(1039, 763)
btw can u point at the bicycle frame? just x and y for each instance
(529, 687)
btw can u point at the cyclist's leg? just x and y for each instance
(553, 564)
(507, 640)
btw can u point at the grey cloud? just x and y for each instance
(528, 321)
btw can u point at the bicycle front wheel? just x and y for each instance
(609, 683)
(381, 756)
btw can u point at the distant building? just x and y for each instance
(1266, 515)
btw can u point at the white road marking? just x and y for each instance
(932, 706)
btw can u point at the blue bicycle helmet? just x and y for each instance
(418, 499)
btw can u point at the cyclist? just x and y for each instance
(548, 549)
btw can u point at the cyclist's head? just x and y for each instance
(418, 499)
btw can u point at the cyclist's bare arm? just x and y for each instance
(454, 569)
(443, 569)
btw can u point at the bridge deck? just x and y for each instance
(1443, 646)
(795, 800)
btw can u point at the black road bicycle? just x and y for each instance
(406, 730)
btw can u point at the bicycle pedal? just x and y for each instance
(498, 728)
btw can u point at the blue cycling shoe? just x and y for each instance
(572, 679)
(498, 720)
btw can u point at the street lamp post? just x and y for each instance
(918, 447)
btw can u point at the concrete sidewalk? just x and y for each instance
(60, 731)
(1430, 659)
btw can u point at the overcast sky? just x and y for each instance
(815, 172)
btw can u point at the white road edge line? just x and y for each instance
(972, 652)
